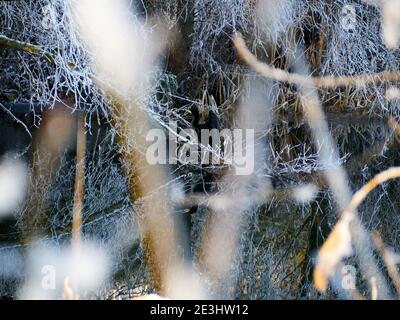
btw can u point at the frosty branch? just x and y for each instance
(26, 47)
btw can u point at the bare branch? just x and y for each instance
(329, 82)
(79, 191)
(26, 47)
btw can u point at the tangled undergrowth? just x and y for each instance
(44, 59)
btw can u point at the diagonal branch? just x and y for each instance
(329, 82)
(32, 49)
(26, 47)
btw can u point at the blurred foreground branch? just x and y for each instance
(334, 173)
(338, 245)
(79, 191)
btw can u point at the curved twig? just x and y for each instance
(329, 82)
(361, 194)
(338, 245)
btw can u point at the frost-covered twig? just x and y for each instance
(16, 119)
(27, 47)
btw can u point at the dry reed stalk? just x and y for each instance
(68, 292)
(350, 226)
(394, 125)
(359, 196)
(122, 65)
(335, 248)
(145, 184)
(374, 289)
(79, 189)
(338, 244)
(220, 241)
(329, 82)
(387, 257)
(50, 141)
